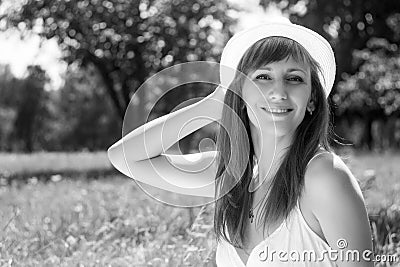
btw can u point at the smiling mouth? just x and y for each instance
(280, 112)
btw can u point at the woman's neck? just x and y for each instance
(269, 149)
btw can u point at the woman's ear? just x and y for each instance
(311, 106)
(311, 103)
(312, 97)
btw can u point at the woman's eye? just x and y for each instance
(295, 79)
(263, 77)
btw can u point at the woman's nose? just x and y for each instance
(277, 91)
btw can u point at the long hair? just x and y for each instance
(233, 179)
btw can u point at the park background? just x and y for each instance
(68, 69)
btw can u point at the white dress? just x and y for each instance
(299, 244)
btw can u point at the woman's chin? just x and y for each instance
(276, 129)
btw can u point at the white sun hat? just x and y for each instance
(318, 47)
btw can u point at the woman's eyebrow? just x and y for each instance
(289, 70)
(296, 69)
(264, 68)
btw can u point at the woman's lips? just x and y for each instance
(277, 114)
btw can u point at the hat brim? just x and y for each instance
(318, 47)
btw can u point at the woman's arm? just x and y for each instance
(156, 136)
(338, 205)
(191, 174)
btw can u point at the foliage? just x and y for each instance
(10, 88)
(29, 108)
(376, 85)
(33, 118)
(83, 113)
(347, 24)
(77, 116)
(129, 40)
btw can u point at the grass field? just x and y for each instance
(110, 221)
(44, 162)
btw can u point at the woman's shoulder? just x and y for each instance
(325, 161)
(327, 176)
(335, 199)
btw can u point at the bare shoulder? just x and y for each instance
(336, 201)
(328, 172)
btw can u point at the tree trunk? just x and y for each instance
(108, 82)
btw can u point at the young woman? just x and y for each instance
(283, 198)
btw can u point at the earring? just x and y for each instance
(311, 107)
(242, 107)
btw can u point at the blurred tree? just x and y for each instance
(347, 24)
(78, 116)
(10, 88)
(373, 93)
(30, 109)
(128, 40)
(84, 118)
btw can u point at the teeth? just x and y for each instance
(277, 110)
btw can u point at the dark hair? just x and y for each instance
(231, 210)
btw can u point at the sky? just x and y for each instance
(21, 53)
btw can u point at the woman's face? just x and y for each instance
(284, 84)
